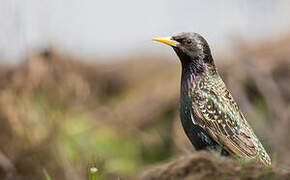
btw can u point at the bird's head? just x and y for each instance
(192, 50)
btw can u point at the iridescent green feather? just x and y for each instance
(223, 119)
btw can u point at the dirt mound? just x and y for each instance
(204, 165)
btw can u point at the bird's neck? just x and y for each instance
(197, 64)
(192, 73)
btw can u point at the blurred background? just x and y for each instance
(82, 84)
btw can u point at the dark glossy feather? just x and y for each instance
(215, 111)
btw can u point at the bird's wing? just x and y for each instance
(219, 115)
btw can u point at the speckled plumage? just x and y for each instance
(210, 116)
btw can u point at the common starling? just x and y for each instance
(210, 116)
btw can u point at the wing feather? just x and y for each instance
(223, 123)
(219, 115)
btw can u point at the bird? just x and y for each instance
(210, 116)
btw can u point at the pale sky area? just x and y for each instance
(113, 29)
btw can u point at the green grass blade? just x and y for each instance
(46, 175)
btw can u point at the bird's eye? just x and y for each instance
(188, 41)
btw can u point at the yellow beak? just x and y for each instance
(166, 40)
